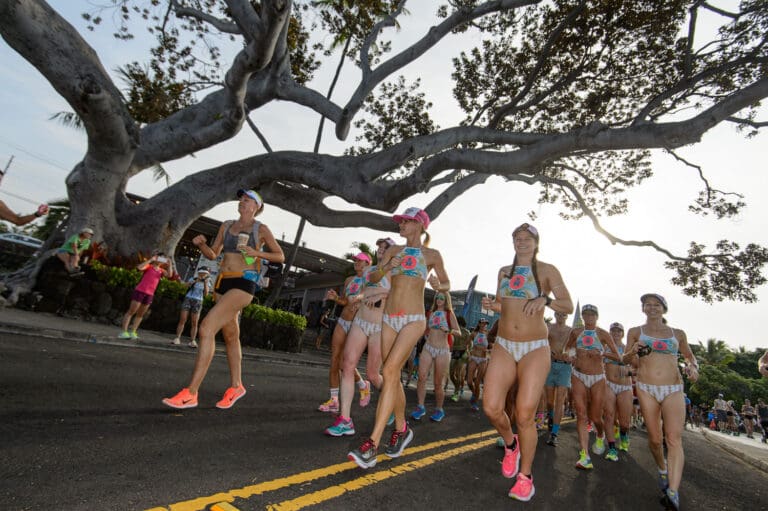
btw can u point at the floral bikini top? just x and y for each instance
(354, 286)
(438, 320)
(481, 339)
(521, 284)
(412, 264)
(615, 362)
(588, 340)
(663, 346)
(383, 283)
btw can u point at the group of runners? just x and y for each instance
(383, 313)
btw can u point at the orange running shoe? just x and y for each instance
(184, 399)
(231, 395)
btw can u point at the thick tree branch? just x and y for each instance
(688, 84)
(251, 25)
(748, 122)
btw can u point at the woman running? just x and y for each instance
(365, 333)
(660, 389)
(350, 301)
(521, 353)
(588, 346)
(478, 361)
(243, 243)
(618, 395)
(404, 323)
(441, 322)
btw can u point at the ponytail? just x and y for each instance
(426, 239)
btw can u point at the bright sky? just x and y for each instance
(473, 234)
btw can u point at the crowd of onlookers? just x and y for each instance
(724, 417)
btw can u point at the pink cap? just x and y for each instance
(362, 256)
(417, 214)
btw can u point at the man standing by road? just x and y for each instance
(559, 378)
(721, 410)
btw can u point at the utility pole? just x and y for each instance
(6, 168)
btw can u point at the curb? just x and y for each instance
(760, 464)
(68, 335)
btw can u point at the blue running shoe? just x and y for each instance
(673, 499)
(438, 415)
(663, 481)
(391, 419)
(418, 413)
(341, 427)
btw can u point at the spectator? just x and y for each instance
(72, 249)
(748, 414)
(7, 214)
(762, 413)
(144, 293)
(762, 365)
(199, 287)
(323, 327)
(721, 413)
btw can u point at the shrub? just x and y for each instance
(114, 276)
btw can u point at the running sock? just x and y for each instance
(335, 393)
(623, 432)
(555, 429)
(513, 445)
(611, 445)
(361, 384)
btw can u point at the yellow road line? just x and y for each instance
(333, 492)
(245, 492)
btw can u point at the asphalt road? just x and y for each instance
(82, 428)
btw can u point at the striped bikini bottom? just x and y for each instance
(436, 352)
(520, 349)
(398, 321)
(660, 392)
(367, 327)
(587, 379)
(618, 389)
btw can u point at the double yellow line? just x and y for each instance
(222, 501)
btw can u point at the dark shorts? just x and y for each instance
(142, 298)
(721, 415)
(226, 284)
(191, 305)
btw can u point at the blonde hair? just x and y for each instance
(426, 239)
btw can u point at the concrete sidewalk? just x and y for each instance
(39, 324)
(749, 450)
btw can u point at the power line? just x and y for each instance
(44, 159)
(36, 203)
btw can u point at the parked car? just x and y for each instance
(20, 239)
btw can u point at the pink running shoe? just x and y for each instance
(184, 399)
(332, 405)
(523, 488)
(231, 395)
(365, 394)
(511, 462)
